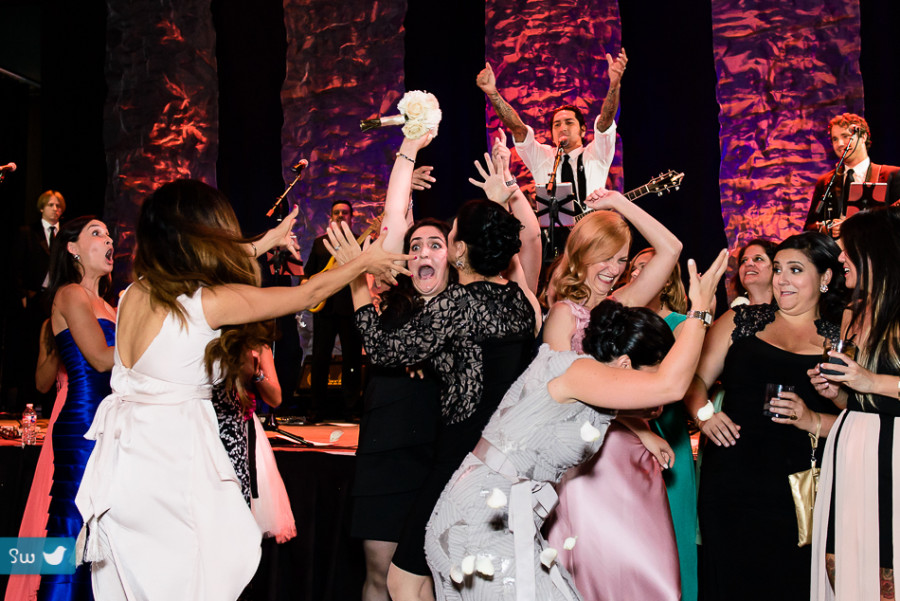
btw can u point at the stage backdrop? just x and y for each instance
(547, 54)
(161, 114)
(784, 70)
(344, 64)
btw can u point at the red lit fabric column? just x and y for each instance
(344, 64)
(784, 69)
(161, 114)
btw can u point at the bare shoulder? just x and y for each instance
(559, 327)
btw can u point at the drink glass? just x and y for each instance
(774, 391)
(842, 346)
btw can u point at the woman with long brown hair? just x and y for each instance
(162, 502)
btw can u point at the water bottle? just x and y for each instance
(29, 425)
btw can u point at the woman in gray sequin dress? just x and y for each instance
(483, 540)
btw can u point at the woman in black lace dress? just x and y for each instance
(476, 337)
(747, 519)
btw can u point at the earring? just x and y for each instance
(823, 288)
(459, 263)
(76, 257)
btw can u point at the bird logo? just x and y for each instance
(55, 558)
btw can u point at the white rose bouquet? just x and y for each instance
(419, 113)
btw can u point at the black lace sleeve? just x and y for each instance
(750, 319)
(420, 338)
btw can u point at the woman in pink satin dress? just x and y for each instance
(615, 506)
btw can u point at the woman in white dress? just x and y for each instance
(162, 504)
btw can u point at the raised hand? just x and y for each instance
(501, 154)
(495, 185)
(280, 236)
(601, 198)
(341, 243)
(702, 291)
(486, 80)
(380, 263)
(616, 68)
(422, 179)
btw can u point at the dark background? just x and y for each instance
(52, 112)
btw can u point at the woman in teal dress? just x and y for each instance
(680, 478)
(83, 325)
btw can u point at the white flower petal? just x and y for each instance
(456, 575)
(548, 557)
(497, 499)
(484, 566)
(569, 544)
(468, 565)
(335, 435)
(589, 433)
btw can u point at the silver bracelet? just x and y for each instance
(400, 154)
(253, 246)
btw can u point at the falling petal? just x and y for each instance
(569, 544)
(468, 565)
(456, 575)
(497, 499)
(548, 557)
(589, 433)
(335, 434)
(484, 566)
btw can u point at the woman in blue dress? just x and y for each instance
(83, 325)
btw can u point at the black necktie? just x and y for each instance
(52, 230)
(845, 193)
(567, 175)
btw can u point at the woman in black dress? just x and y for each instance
(747, 518)
(399, 423)
(475, 337)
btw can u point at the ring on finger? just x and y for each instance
(794, 417)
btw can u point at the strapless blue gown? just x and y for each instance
(87, 387)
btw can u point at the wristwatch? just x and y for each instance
(703, 316)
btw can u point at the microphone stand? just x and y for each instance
(280, 261)
(553, 210)
(828, 198)
(271, 425)
(298, 169)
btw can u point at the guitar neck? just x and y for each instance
(633, 195)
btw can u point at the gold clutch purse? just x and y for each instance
(804, 486)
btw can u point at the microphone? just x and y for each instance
(300, 166)
(8, 168)
(369, 124)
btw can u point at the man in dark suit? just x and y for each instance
(31, 263)
(335, 319)
(851, 133)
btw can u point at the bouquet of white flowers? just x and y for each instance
(419, 114)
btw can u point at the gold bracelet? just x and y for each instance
(898, 389)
